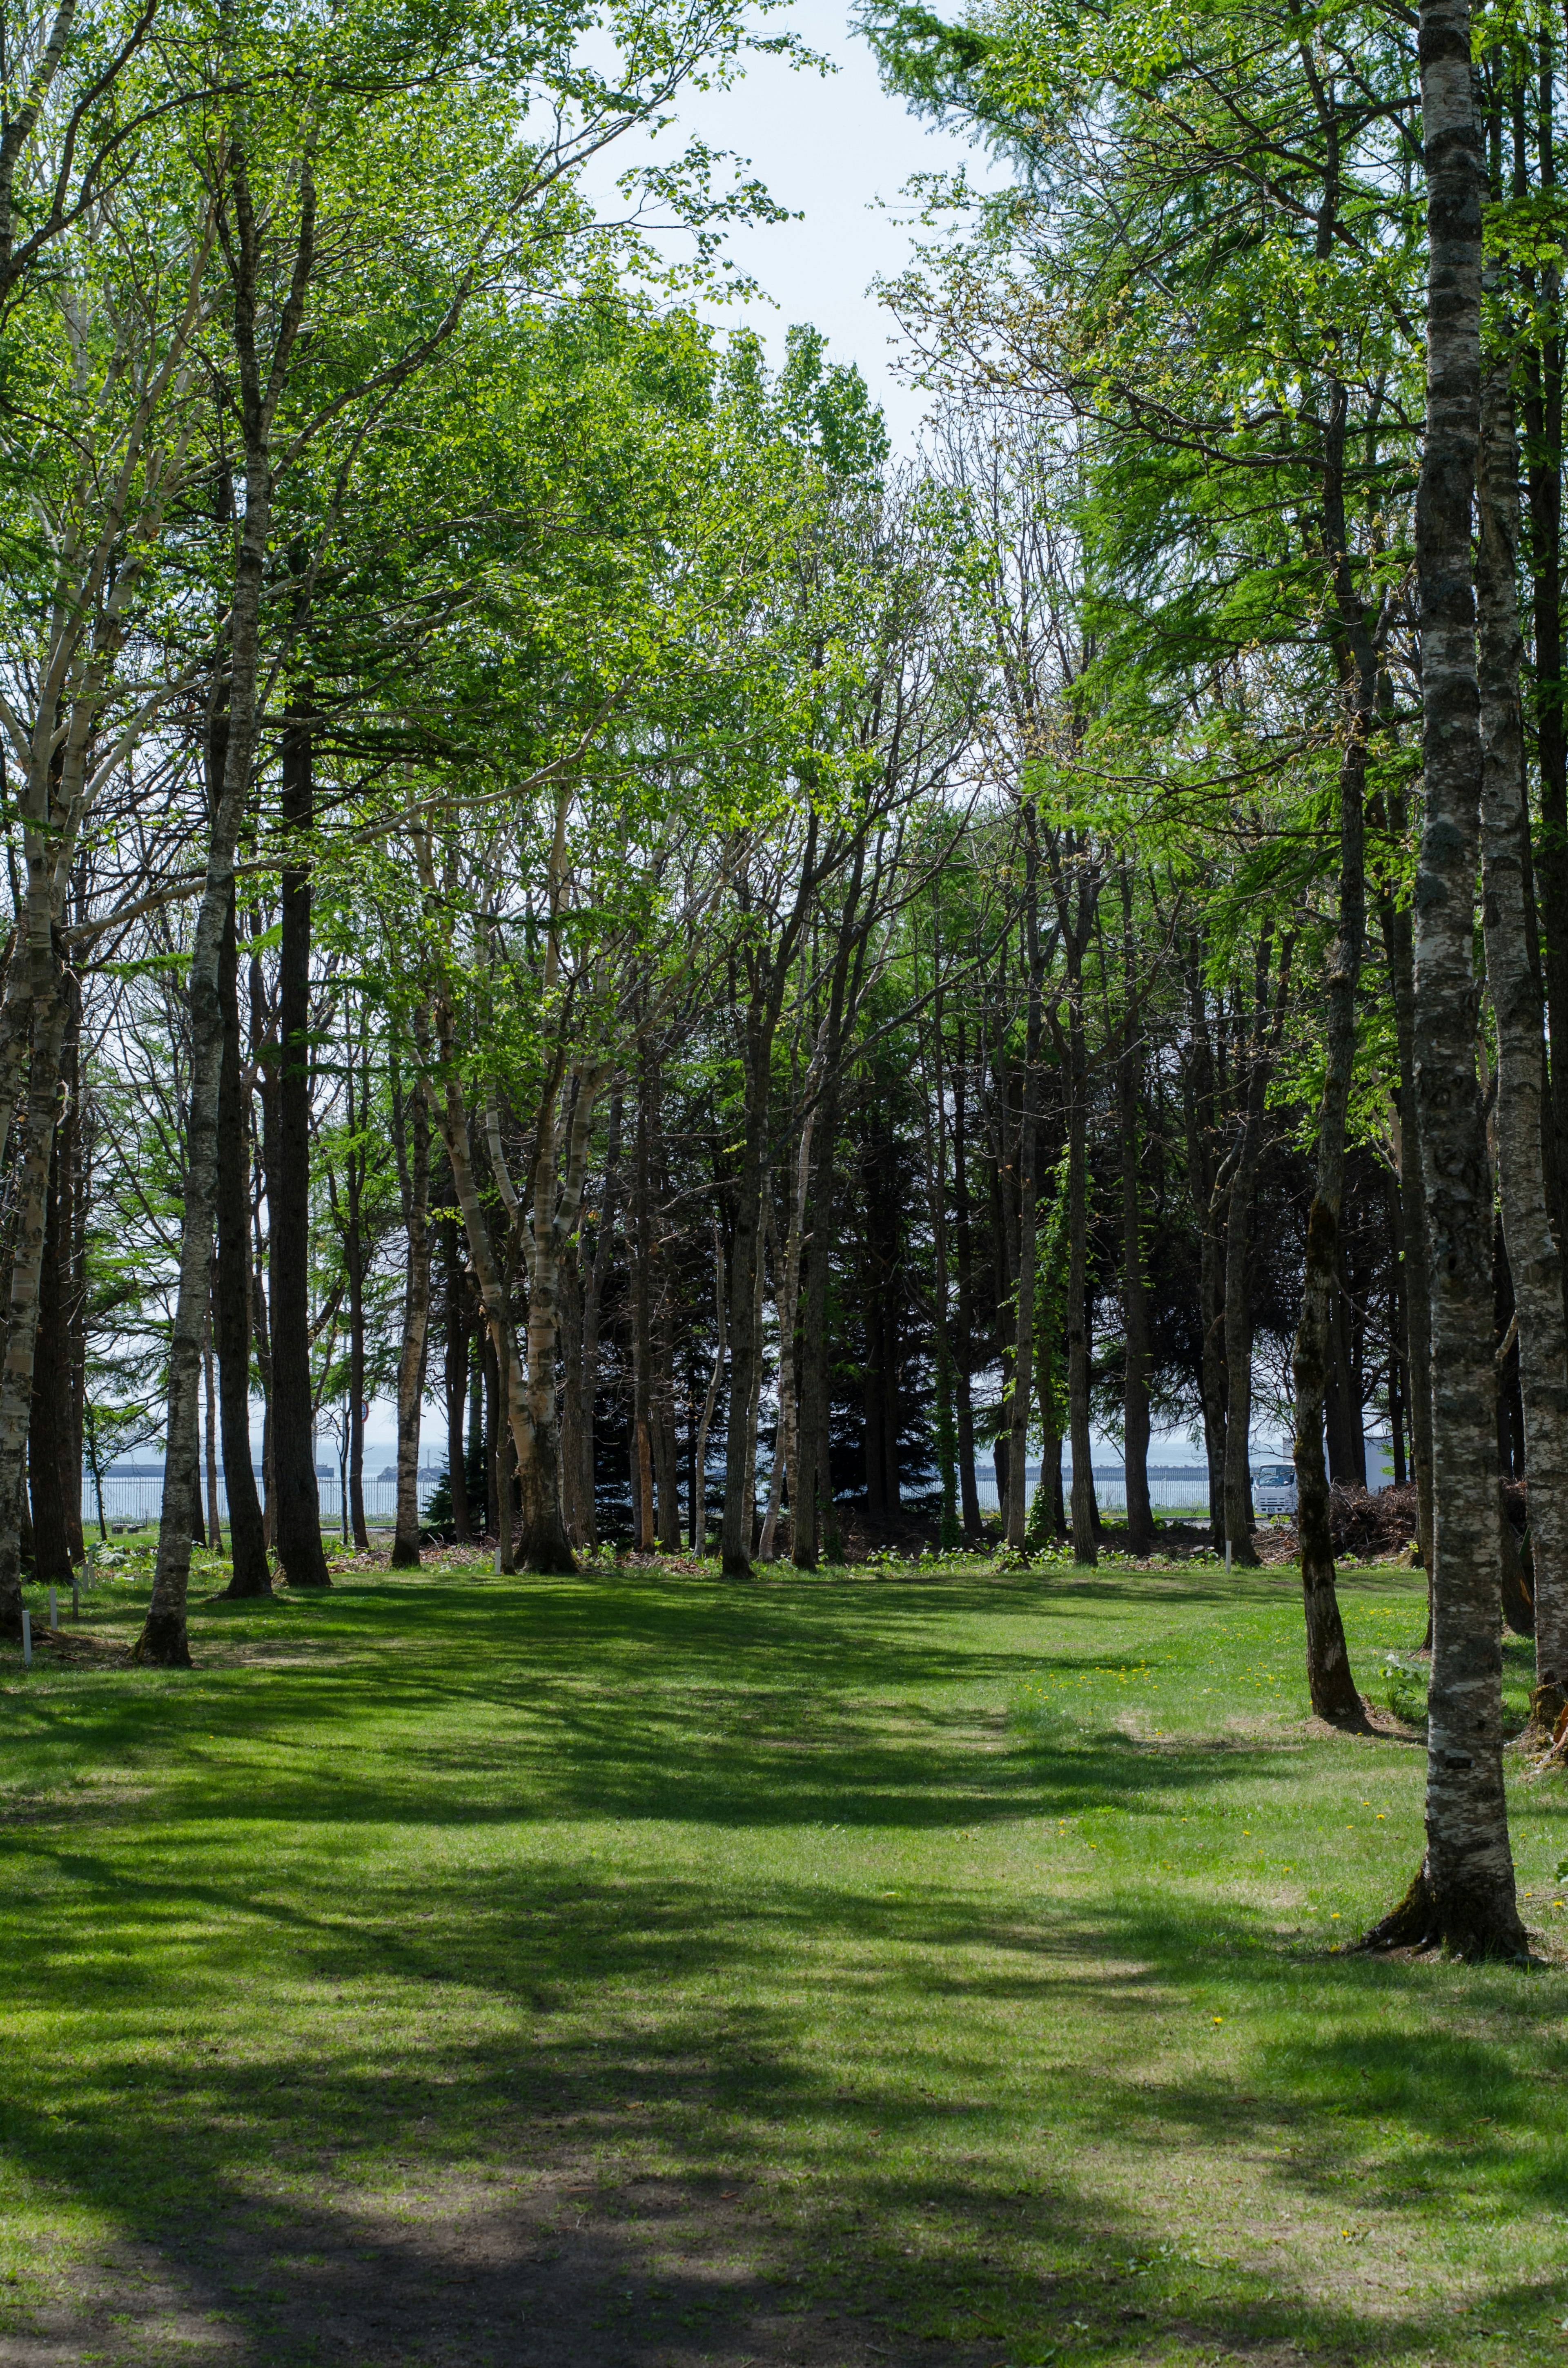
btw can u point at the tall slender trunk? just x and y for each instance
(746, 1259)
(1085, 1551)
(592, 1302)
(1134, 1289)
(73, 1214)
(1463, 1894)
(812, 1485)
(1399, 947)
(297, 1526)
(163, 1638)
(1022, 1373)
(1330, 1682)
(1238, 1231)
(1533, 1257)
(411, 1141)
(456, 1375)
(210, 1442)
(641, 1325)
(47, 1443)
(745, 1292)
(249, 1575)
(1204, 1186)
(1542, 371)
(969, 1493)
(754, 1398)
(700, 1456)
(354, 1264)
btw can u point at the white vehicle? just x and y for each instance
(1274, 1490)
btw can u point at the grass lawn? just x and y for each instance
(636, 1970)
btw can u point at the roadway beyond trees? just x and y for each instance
(633, 1969)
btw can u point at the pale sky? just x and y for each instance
(837, 150)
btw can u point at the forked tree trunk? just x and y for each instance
(1533, 1257)
(527, 1383)
(1463, 1894)
(411, 1136)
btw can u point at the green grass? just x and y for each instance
(959, 1951)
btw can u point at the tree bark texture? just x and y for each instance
(250, 1574)
(1533, 1259)
(457, 1338)
(163, 1638)
(1463, 1894)
(1330, 1682)
(1022, 1361)
(1134, 1289)
(412, 1140)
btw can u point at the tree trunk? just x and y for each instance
(48, 1426)
(297, 1526)
(1238, 1326)
(969, 1493)
(1533, 1257)
(411, 1139)
(1022, 1366)
(1329, 1679)
(811, 1486)
(1398, 947)
(1134, 1292)
(1086, 1551)
(354, 1264)
(1203, 1186)
(746, 1254)
(456, 1375)
(250, 1575)
(699, 1454)
(641, 1326)
(592, 1302)
(1464, 1893)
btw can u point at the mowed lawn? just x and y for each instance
(640, 1969)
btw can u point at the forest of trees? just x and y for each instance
(745, 980)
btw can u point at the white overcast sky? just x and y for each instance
(836, 150)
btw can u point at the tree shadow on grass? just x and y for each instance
(613, 2184)
(737, 2115)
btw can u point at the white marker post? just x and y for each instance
(26, 1638)
(1227, 1557)
(75, 1597)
